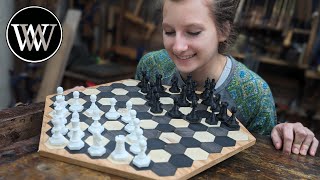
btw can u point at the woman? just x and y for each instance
(196, 34)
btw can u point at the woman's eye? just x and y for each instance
(194, 33)
(169, 33)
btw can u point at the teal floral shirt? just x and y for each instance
(243, 88)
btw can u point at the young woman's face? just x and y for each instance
(189, 34)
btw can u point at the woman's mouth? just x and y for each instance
(185, 57)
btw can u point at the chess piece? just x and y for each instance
(212, 119)
(76, 106)
(182, 101)
(75, 142)
(127, 117)
(112, 114)
(174, 85)
(158, 85)
(59, 121)
(135, 147)
(193, 117)
(141, 83)
(93, 106)
(97, 148)
(58, 112)
(175, 112)
(132, 137)
(156, 108)
(75, 123)
(130, 126)
(223, 116)
(232, 122)
(96, 125)
(57, 139)
(120, 153)
(142, 160)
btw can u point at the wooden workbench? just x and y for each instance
(19, 138)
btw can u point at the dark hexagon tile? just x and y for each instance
(81, 151)
(105, 95)
(140, 108)
(184, 132)
(105, 108)
(136, 94)
(198, 127)
(118, 85)
(175, 148)
(155, 144)
(132, 88)
(167, 107)
(161, 119)
(203, 113)
(121, 104)
(165, 128)
(180, 160)
(151, 133)
(223, 125)
(164, 169)
(144, 115)
(224, 141)
(105, 88)
(218, 131)
(112, 134)
(211, 147)
(122, 98)
(190, 142)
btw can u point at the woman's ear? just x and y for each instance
(225, 31)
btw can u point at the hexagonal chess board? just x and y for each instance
(177, 149)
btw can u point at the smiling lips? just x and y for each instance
(185, 57)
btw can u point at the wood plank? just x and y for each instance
(55, 66)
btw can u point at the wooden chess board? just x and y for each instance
(177, 148)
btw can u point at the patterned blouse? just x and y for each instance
(243, 88)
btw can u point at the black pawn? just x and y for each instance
(223, 116)
(145, 88)
(193, 117)
(174, 85)
(174, 112)
(150, 92)
(212, 119)
(158, 85)
(144, 74)
(182, 102)
(232, 122)
(206, 91)
(156, 108)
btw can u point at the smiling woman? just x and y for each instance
(196, 35)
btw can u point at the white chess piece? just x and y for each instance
(135, 147)
(75, 142)
(112, 114)
(97, 148)
(93, 106)
(57, 139)
(130, 126)
(142, 160)
(120, 153)
(127, 117)
(76, 106)
(96, 125)
(75, 123)
(59, 120)
(132, 137)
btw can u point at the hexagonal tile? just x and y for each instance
(170, 137)
(155, 144)
(184, 132)
(179, 123)
(130, 82)
(113, 125)
(138, 101)
(180, 160)
(83, 126)
(175, 148)
(211, 147)
(159, 155)
(151, 133)
(166, 100)
(162, 119)
(238, 136)
(148, 124)
(165, 128)
(80, 100)
(118, 85)
(104, 141)
(122, 98)
(203, 136)
(224, 141)
(105, 101)
(119, 91)
(140, 108)
(90, 91)
(198, 127)
(190, 142)
(196, 153)
(218, 131)
(185, 110)
(164, 169)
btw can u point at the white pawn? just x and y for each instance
(127, 117)
(142, 160)
(135, 147)
(60, 91)
(97, 148)
(59, 121)
(120, 153)
(59, 114)
(112, 114)
(75, 123)
(76, 106)
(96, 125)
(132, 137)
(130, 126)
(57, 139)
(93, 106)
(75, 142)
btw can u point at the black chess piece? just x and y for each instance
(213, 84)
(156, 107)
(158, 84)
(145, 88)
(182, 101)
(144, 74)
(150, 92)
(175, 112)
(212, 119)
(206, 91)
(216, 99)
(223, 116)
(209, 99)
(174, 85)
(232, 122)
(193, 117)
